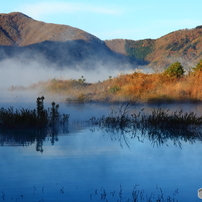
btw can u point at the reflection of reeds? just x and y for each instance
(159, 126)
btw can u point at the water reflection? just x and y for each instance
(159, 127)
(85, 166)
(34, 136)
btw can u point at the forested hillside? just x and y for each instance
(182, 45)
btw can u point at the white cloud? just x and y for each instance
(38, 10)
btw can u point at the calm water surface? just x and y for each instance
(89, 164)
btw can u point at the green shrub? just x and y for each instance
(175, 70)
(198, 67)
(82, 79)
(114, 89)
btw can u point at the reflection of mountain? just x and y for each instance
(25, 38)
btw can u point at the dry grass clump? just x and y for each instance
(135, 87)
(140, 87)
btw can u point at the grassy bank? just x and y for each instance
(136, 87)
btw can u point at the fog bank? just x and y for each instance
(15, 72)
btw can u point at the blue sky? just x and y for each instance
(123, 19)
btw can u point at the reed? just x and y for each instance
(27, 126)
(136, 195)
(158, 117)
(30, 119)
(159, 126)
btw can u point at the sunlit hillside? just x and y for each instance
(183, 45)
(135, 87)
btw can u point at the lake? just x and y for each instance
(88, 163)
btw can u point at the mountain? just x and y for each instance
(17, 29)
(64, 46)
(184, 46)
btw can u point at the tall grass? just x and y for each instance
(32, 118)
(137, 87)
(159, 126)
(28, 126)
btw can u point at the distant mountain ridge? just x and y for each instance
(21, 30)
(184, 46)
(63, 45)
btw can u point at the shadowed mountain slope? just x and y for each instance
(22, 37)
(74, 54)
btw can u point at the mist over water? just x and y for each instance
(15, 72)
(97, 157)
(25, 71)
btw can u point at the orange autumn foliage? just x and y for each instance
(136, 87)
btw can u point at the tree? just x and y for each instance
(198, 67)
(82, 79)
(175, 70)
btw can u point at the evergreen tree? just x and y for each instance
(198, 67)
(175, 70)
